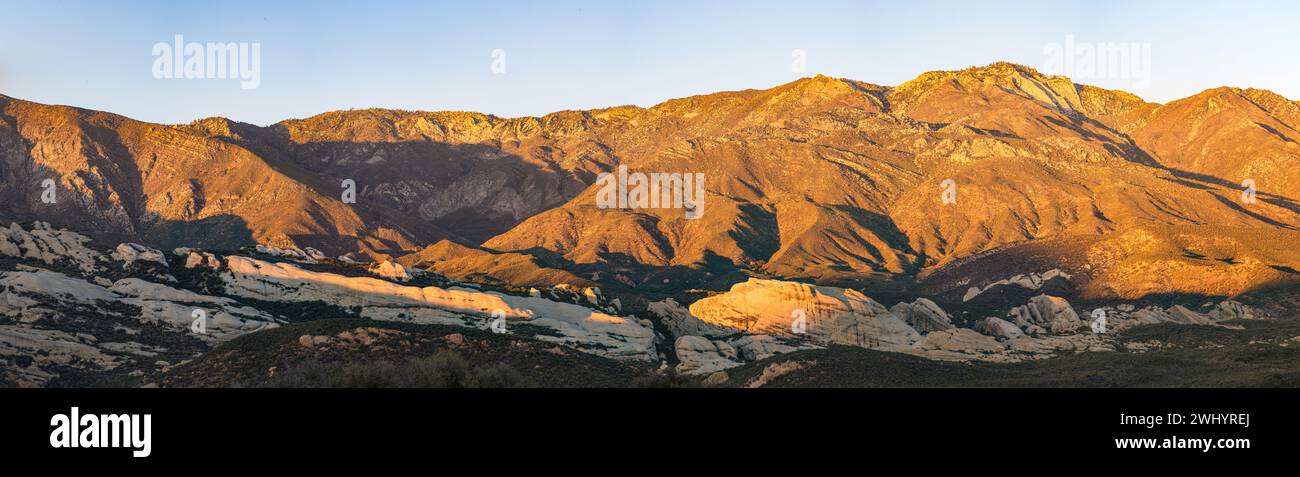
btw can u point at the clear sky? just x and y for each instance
(325, 55)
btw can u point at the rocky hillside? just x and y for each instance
(823, 178)
(72, 315)
(993, 215)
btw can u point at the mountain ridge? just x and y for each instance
(823, 178)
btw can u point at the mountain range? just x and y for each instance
(828, 180)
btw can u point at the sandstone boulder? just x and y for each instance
(960, 340)
(799, 310)
(1053, 313)
(1000, 328)
(698, 355)
(923, 315)
(129, 253)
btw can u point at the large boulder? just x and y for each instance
(756, 347)
(1231, 310)
(49, 246)
(130, 253)
(680, 322)
(392, 270)
(923, 315)
(1053, 313)
(799, 310)
(961, 340)
(1000, 328)
(698, 355)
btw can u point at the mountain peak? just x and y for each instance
(1001, 71)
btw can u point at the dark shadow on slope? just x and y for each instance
(1274, 199)
(1285, 269)
(758, 234)
(1235, 206)
(222, 232)
(1274, 132)
(413, 170)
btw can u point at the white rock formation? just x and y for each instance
(798, 310)
(47, 245)
(757, 347)
(923, 315)
(393, 270)
(698, 355)
(961, 340)
(577, 326)
(48, 349)
(1053, 313)
(26, 296)
(292, 253)
(680, 322)
(225, 318)
(50, 310)
(1030, 281)
(129, 253)
(203, 259)
(1000, 328)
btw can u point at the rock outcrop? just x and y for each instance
(1000, 328)
(999, 291)
(565, 323)
(797, 310)
(50, 246)
(698, 355)
(1052, 313)
(923, 315)
(130, 253)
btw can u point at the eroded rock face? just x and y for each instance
(1119, 319)
(64, 325)
(758, 347)
(961, 340)
(680, 322)
(291, 253)
(798, 310)
(1000, 328)
(698, 355)
(1230, 310)
(129, 253)
(49, 246)
(1052, 313)
(583, 328)
(923, 315)
(393, 270)
(1051, 280)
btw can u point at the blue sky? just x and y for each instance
(319, 56)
